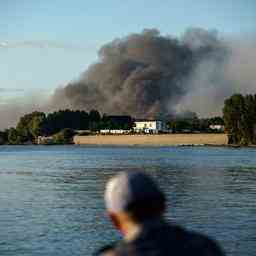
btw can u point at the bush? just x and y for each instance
(64, 137)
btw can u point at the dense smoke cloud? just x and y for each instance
(141, 74)
(150, 75)
(11, 112)
(229, 69)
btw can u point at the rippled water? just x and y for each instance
(51, 196)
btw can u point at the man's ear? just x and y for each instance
(115, 220)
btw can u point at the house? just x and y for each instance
(149, 126)
(83, 132)
(116, 131)
(217, 127)
(43, 140)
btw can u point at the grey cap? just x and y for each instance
(127, 188)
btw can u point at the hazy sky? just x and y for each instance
(46, 43)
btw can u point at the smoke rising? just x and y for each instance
(12, 109)
(228, 70)
(140, 75)
(151, 75)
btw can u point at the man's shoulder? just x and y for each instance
(170, 239)
(196, 243)
(199, 244)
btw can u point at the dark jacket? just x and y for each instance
(157, 238)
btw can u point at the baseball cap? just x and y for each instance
(131, 188)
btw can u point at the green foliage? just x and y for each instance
(188, 122)
(14, 137)
(4, 137)
(57, 121)
(191, 123)
(216, 120)
(30, 126)
(240, 119)
(61, 123)
(94, 120)
(116, 122)
(81, 120)
(63, 137)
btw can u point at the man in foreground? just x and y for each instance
(136, 206)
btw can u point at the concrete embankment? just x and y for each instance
(163, 139)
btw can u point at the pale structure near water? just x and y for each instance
(153, 140)
(149, 126)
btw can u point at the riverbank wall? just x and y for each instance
(151, 140)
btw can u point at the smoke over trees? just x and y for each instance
(144, 75)
(139, 75)
(151, 75)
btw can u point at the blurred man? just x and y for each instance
(136, 206)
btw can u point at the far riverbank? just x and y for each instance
(151, 140)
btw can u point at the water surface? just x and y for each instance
(51, 197)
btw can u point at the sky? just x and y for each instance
(45, 44)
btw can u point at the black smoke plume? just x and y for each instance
(150, 75)
(144, 75)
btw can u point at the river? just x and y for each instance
(51, 197)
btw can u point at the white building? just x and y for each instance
(217, 127)
(149, 126)
(42, 140)
(117, 131)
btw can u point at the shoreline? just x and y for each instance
(204, 139)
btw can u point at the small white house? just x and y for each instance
(42, 140)
(149, 126)
(116, 132)
(217, 127)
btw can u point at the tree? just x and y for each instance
(63, 137)
(187, 121)
(14, 137)
(57, 121)
(3, 137)
(240, 119)
(216, 120)
(94, 120)
(30, 126)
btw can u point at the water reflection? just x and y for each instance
(52, 204)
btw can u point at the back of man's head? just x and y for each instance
(132, 198)
(136, 194)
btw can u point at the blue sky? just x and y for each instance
(46, 43)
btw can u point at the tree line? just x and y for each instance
(61, 125)
(239, 118)
(192, 123)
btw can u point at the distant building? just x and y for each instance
(217, 127)
(116, 131)
(42, 140)
(149, 126)
(83, 132)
